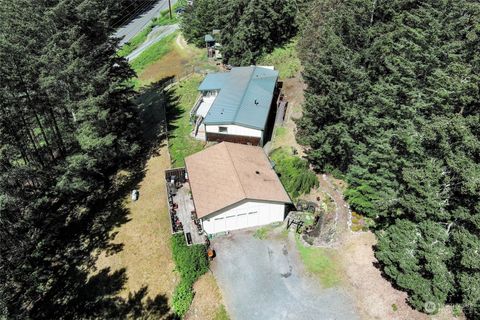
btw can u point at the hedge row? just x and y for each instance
(191, 262)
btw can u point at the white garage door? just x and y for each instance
(231, 223)
(242, 220)
(219, 225)
(235, 222)
(252, 219)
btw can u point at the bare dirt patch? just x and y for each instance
(374, 295)
(182, 60)
(293, 91)
(146, 253)
(172, 64)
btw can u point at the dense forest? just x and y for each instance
(249, 29)
(67, 124)
(393, 104)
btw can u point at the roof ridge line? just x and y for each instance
(235, 169)
(245, 92)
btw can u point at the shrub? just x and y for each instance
(261, 233)
(182, 297)
(294, 173)
(285, 59)
(191, 262)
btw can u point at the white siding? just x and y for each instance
(248, 213)
(235, 130)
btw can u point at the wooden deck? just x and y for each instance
(184, 213)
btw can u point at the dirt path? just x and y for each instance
(343, 214)
(146, 253)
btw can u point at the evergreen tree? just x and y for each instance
(248, 29)
(199, 20)
(393, 102)
(67, 125)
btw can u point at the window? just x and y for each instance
(222, 129)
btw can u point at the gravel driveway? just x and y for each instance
(265, 279)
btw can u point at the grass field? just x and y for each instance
(133, 44)
(181, 144)
(320, 262)
(145, 238)
(162, 20)
(208, 302)
(182, 60)
(154, 53)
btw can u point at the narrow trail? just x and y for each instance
(342, 211)
(293, 89)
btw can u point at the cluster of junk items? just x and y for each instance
(183, 216)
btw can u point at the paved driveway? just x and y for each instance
(128, 31)
(265, 279)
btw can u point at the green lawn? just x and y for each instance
(320, 262)
(162, 20)
(154, 53)
(181, 144)
(133, 44)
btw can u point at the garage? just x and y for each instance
(245, 214)
(234, 187)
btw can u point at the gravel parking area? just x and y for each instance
(265, 279)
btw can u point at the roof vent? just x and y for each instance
(257, 172)
(256, 102)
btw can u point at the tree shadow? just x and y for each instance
(76, 290)
(132, 11)
(97, 298)
(158, 109)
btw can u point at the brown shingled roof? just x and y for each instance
(227, 173)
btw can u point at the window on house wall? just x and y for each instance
(223, 129)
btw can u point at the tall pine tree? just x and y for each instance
(67, 125)
(393, 102)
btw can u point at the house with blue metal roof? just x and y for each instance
(236, 106)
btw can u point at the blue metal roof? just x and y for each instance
(209, 38)
(244, 98)
(214, 81)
